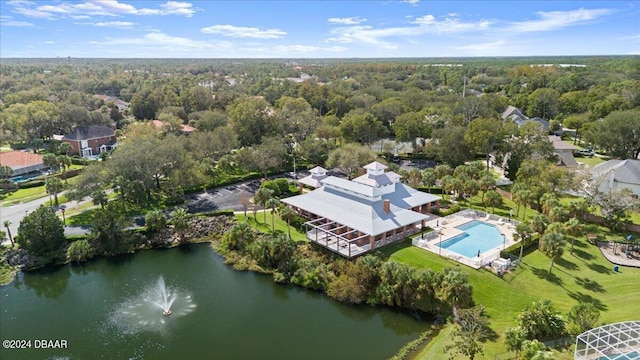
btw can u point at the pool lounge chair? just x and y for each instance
(500, 221)
(488, 217)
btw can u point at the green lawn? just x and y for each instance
(584, 276)
(29, 194)
(591, 161)
(279, 224)
(23, 195)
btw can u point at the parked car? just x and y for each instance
(586, 152)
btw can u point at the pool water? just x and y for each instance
(26, 177)
(478, 236)
(627, 356)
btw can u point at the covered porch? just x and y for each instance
(349, 242)
(337, 237)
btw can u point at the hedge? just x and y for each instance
(31, 184)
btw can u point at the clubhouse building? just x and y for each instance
(353, 217)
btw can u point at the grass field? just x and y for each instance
(584, 276)
(280, 225)
(591, 161)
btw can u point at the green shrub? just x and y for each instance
(31, 184)
(217, 213)
(80, 250)
(76, 160)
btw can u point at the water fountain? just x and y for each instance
(164, 297)
(140, 313)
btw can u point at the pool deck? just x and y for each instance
(445, 228)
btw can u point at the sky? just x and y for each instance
(316, 29)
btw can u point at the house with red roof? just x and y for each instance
(184, 129)
(22, 162)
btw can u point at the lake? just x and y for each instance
(104, 310)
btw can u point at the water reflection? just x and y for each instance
(49, 282)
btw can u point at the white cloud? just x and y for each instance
(49, 42)
(9, 21)
(98, 8)
(178, 8)
(412, 2)
(114, 24)
(243, 32)
(427, 19)
(347, 21)
(554, 20)
(296, 49)
(450, 24)
(427, 24)
(158, 44)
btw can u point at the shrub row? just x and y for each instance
(31, 184)
(414, 345)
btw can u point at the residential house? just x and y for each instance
(184, 129)
(353, 217)
(22, 162)
(91, 140)
(564, 151)
(120, 104)
(514, 114)
(618, 174)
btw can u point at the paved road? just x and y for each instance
(217, 199)
(15, 213)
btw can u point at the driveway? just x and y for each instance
(224, 198)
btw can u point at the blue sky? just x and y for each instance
(316, 29)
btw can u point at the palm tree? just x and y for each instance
(415, 178)
(558, 213)
(273, 204)
(54, 186)
(539, 223)
(179, 219)
(261, 197)
(552, 245)
(486, 183)
(6, 224)
(288, 214)
(515, 196)
(471, 188)
(429, 178)
(65, 162)
(99, 198)
(50, 161)
(238, 237)
(443, 170)
(549, 201)
(523, 233)
(525, 196)
(578, 208)
(573, 228)
(493, 199)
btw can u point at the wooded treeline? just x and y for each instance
(262, 115)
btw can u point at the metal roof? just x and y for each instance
(350, 186)
(375, 166)
(357, 213)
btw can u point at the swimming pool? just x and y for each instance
(478, 236)
(26, 177)
(628, 356)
